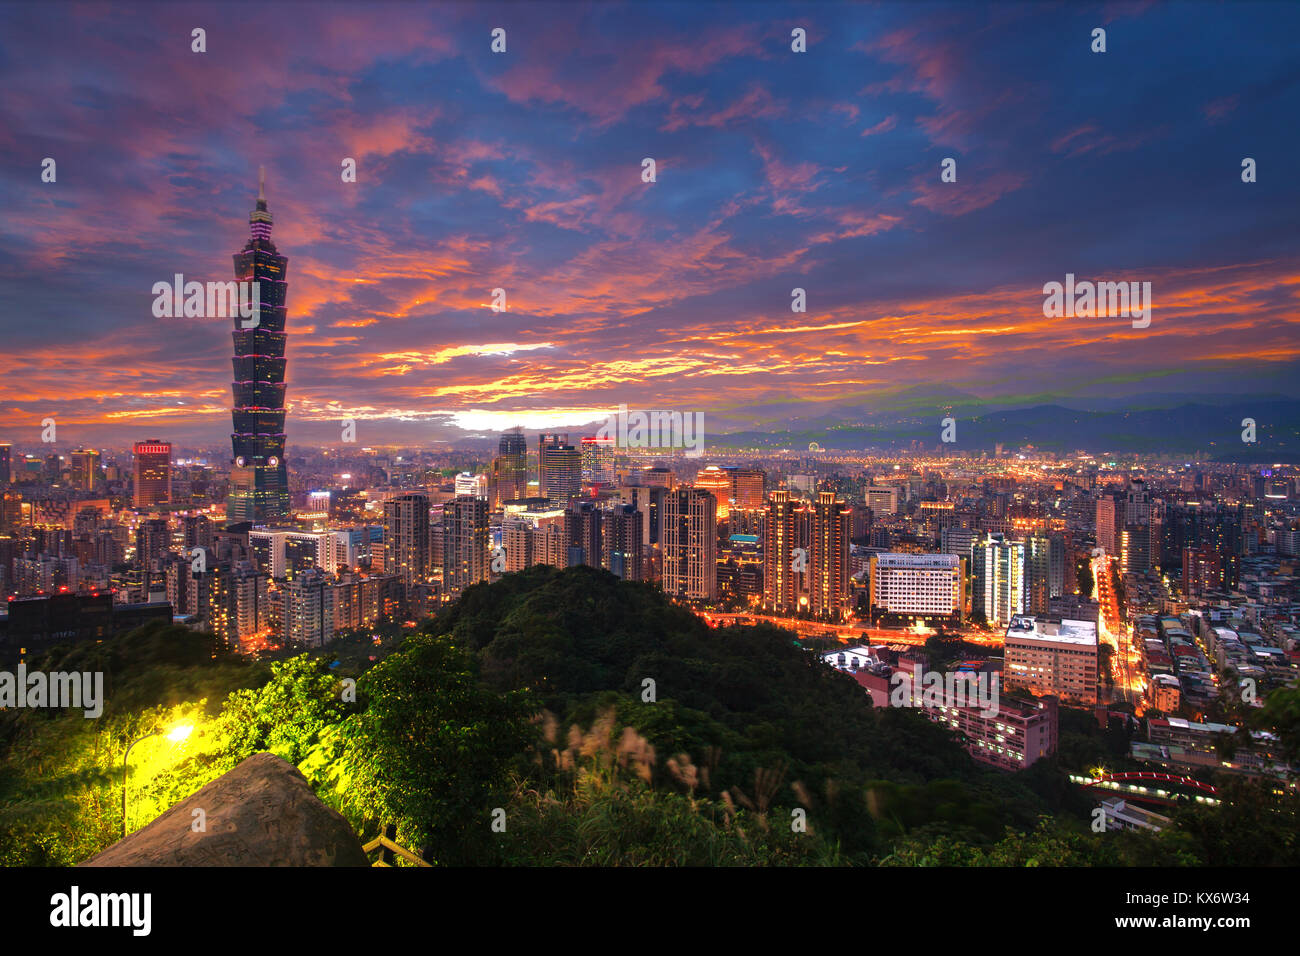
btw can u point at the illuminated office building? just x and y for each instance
(153, 473)
(259, 480)
(598, 461)
(509, 476)
(85, 469)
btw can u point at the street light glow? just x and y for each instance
(179, 732)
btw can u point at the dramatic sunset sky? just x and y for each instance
(523, 171)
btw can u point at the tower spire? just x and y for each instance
(259, 220)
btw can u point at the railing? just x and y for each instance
(386, 847)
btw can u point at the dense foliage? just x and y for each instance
(567, 717)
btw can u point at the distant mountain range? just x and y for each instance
(1210, 431)
(1208, 427)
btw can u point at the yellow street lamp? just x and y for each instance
(175, 735)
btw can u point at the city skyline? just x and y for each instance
(745, 435)
(673, 294)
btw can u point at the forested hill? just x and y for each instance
(570, 718)
(748, 699)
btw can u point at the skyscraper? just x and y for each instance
(152, 539)
(598, 461)
(509, 476)
(153, 473)
(584, 534)
(747, 488)
(85, 469)
(998, 578)
(1038, 573)
(1202, 570)
(780, 562)
(259, 480)
(624, 539)
(406, 538)
(690, 544)
(831, 527)
(1137, 503)
(1135, 548)
(6, 466)
(468, 483)
(882, 499)
(1110, 521)
(544, 441)
(559, 469)
(717, 482)
(465, 542)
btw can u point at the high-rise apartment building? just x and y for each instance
(690, 544)
(524, 535)
(1110, 522)
(640, 498)
(247, 603)
(1202, 570)
(1201, 524)
(781, 562)
(583, 527)
(1044, 570)
(308, 615)
(832, 526)
(624, 542)
(406, 539)
(198, 531)
(1135, 542)
(152, 540)
(517, 539)
(465, 544)
(998, 578)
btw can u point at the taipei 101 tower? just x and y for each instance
(259, 480)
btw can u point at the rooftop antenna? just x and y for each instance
(261, 183)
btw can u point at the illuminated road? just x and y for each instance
(1127, 682)
(849, 633)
